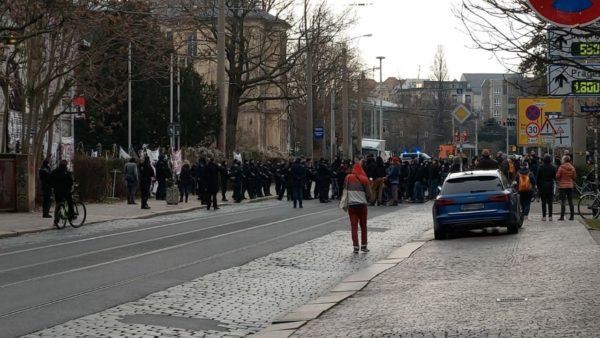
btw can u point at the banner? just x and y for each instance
(153, 155)
(176, 162)
(123, 154)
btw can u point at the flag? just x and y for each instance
(123, 154)
(237, 156)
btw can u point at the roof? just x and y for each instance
(475, 80)
(173, 10)
(386, 104)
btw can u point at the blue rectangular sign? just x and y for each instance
(318, 133)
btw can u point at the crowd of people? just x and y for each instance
(369, 182)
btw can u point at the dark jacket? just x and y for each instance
(146, 173)
(44, 175)
(185, 176)
(61, 180)
(298, 172)
(211, 177)
(545, 177)
(486, 163)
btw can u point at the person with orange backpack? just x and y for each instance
(525, 182)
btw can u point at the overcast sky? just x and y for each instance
(407, 33)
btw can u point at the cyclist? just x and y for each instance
(61, 180)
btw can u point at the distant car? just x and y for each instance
(474, 200)
(409, 156)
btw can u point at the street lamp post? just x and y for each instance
(129, 56)
(346, 119)
(309, 89)
(380, 58)
(221, 74)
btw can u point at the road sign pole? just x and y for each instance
(460, 144)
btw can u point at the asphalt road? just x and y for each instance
(51, 279)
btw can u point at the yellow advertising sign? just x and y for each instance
(532, 116)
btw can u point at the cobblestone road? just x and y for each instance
(543, 282)
(245, 299)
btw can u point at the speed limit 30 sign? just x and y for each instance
(532, 129)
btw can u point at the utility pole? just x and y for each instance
(221, 75)
(309, 88)
(359, 115)
(332, 145)
(172, 136)
(380, 58)
(345, 110)
(129, 57)
(178, 104)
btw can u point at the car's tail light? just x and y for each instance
(499, 198)
(440, 202)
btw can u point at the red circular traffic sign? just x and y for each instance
(532, 129)
(533, 112)
(567, 13)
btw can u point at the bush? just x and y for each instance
(95, 177)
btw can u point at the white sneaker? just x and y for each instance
(550, 219)
(544, 218)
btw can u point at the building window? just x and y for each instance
(497, 102)
(468, 99)
(454, 99)
(497, 91)
(426, 134)
(401, 133)
(497, 114)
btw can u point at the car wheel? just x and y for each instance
(513, 227)
(439, 233)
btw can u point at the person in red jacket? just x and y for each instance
(565, 175)
(359, 194)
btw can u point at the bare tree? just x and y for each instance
(265, 41)
(45, 65)
(514, 33)
(441, 96)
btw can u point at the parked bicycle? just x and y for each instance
(62, 212)
(589, 205)
(588, 184)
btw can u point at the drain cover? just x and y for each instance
(511, 299)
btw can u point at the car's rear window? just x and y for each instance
(475, 184)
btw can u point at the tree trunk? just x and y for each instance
(233, 109)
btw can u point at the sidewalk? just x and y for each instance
(540, 282)
(15, 224)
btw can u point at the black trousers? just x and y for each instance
(145, 193)
(47, 194)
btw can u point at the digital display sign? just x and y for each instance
(586, 87)
(589, 49)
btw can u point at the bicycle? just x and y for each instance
(588, 185)
(62, 212)
(588, 206)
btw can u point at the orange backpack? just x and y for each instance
(524, 183)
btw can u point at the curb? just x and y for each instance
(12, 233)
(286, 325)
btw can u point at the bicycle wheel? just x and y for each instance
(79, 215)
(588, 206)
(60, 214)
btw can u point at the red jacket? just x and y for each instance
(566, 175)
(358, 187)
